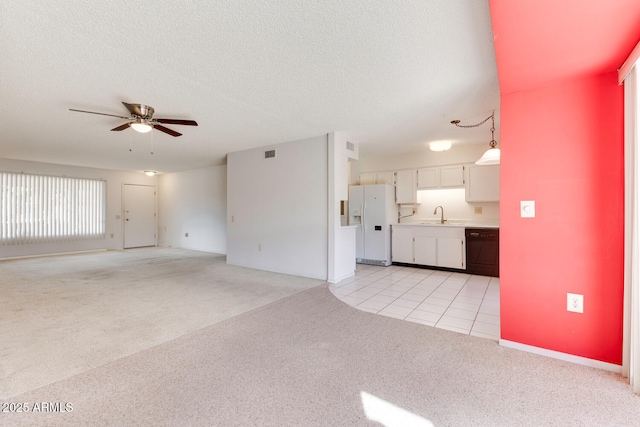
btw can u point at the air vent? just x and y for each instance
(269, 154)
(350, 146)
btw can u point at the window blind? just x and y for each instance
(39, 208)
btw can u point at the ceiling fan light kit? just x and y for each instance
(141, 127)
(492, 155)
(141, 120)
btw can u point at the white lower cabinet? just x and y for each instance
(451, 252)
(425, 250)
(437, 245)
(402, 244)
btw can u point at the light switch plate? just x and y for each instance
(527, 209)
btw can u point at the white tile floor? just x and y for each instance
(458, 302)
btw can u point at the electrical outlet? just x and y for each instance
(233, 218)
(259, 247)
(575, 303)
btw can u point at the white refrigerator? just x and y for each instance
(372, 209)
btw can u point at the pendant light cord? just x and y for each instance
(493, 142)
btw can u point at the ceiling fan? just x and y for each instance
(141, 120)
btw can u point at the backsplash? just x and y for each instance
(454, 205)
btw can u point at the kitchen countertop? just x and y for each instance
(452, 223)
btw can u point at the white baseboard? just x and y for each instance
(53, 254)
(563, 356)
(340, 279)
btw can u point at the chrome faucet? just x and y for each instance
(435, 211)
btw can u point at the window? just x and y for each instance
(37, 208)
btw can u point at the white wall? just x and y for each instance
(114, 227)
(194, 202)
(341, 240)
(277, 208)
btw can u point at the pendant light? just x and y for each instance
(492, 155)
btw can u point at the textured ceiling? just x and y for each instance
(390, 74)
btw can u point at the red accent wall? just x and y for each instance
(562, 146)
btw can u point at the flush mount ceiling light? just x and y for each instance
(150, 173)
(439, 145)
(492, 155)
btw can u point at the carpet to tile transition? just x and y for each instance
(310, 360)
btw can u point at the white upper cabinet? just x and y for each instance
(406, 186)
(452, 176)
(441, 177)
(386, 178)
(428, 178)
(405, 182)
(482, 183)
(367, 178)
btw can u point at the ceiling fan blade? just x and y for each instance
(101, 114)
(166, 130)
(177, 122)
(122, 127)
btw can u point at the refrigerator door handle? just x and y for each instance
(362, 212)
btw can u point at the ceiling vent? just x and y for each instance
(269, 154)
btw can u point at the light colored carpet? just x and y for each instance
(63, 315)
(311, 360)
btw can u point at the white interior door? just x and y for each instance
(139, 216)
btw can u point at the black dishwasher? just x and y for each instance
(483, 251)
